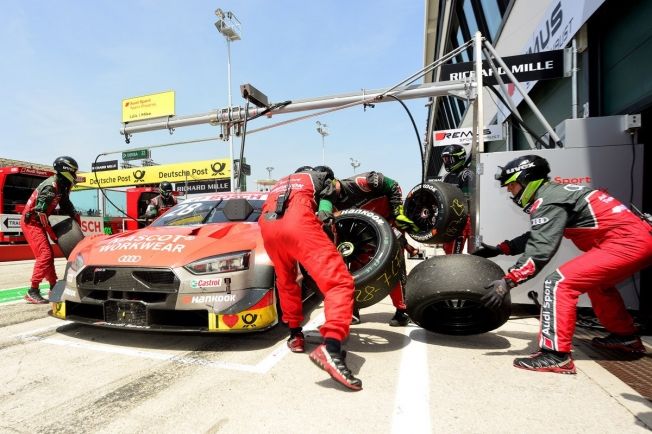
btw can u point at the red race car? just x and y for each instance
(199, 267)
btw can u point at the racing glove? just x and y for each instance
(487, 251)
(151, 211)
(498, 289)
(403, 222)
(325, 217)
(43, 219)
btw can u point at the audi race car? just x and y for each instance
(199, 267)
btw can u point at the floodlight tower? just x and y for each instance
(229, 26)
(355, 164)
(322, 129)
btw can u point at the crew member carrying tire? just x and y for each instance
(375, 192)
(161, 203)
(35, 225)
(292, 233)
(615, 242)
(454, 158)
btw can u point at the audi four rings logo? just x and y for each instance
(129, 259)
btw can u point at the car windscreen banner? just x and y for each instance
(544, 65)
(135, 176)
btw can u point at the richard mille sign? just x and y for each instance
(525, 67)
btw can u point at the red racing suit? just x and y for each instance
(461, 178)
(615, 242)
(375, 192)
(45, 198)
(296, 235)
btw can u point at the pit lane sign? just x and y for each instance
(10, 222)
(182, 172)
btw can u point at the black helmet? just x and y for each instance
(454, 157)
(325, 169)
(530, 171)
(303, 169)
(165, 188)
(67, 168)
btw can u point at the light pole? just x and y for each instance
(229, 26)
(323, 130)
(355, 164)
(269, 171)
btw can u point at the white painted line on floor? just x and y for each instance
(260, 368)
(412, 403)
(282, 350)
(41, 329)
(152, 355)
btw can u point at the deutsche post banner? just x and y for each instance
(135, 176)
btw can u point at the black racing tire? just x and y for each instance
(443, 295)
(371, 252)
(68, 235)
(438, 209)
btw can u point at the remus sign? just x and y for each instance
(193, 171)
(525, 67)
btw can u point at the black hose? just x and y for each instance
(416, 131)
(105, 196)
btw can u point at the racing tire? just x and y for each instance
(371, 252)
(68, 235)
(439, 210)
(443, 295)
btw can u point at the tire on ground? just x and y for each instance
(372, 254)
(439, 209)
(443, 295)
(68, 235)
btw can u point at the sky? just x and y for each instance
(67, 66)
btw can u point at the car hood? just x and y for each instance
(171, 246)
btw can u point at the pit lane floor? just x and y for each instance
(64, 377)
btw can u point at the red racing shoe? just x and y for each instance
(33, 296)
(297, 343)
(547, 361)
(627, 344)
(335, 366)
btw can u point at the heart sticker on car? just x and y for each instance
(230, 320)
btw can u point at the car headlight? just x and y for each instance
(220, 264)
(77, 263)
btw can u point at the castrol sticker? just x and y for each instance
(205, 283)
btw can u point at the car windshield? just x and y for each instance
(211, 210)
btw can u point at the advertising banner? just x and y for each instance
(135, 176)
(101, 166)
(560, 23)
(536, 66)
(148, 106)
(217, 185)
(463, 136)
